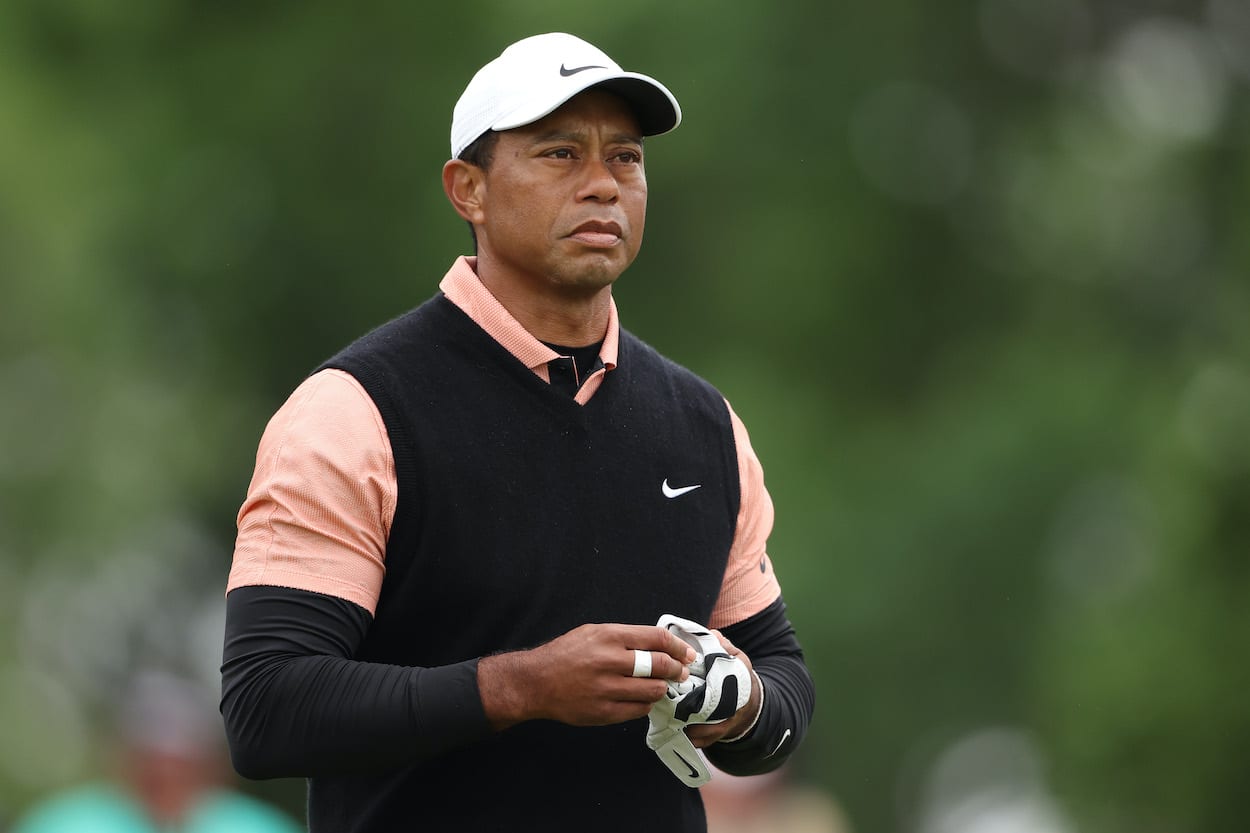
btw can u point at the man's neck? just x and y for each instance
(569, 319)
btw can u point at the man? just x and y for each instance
(461, 527)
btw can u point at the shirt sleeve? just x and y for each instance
(296, 704)
(319, 508)
(750, 585)
(787, 691)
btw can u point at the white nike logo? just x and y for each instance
(778, 746)
(670, 492)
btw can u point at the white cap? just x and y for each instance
(534, 76)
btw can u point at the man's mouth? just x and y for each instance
(597, 233)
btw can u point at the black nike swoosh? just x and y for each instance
(567, 72)
(694, 773)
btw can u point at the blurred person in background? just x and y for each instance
(461, 528)
(170, 773)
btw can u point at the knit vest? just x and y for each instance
(520, 516)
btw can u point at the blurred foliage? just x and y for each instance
(973, 273)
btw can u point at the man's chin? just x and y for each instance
(590, 275)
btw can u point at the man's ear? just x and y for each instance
(465, 186)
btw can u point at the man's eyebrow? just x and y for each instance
(576, 136)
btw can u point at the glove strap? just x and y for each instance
(680, 756)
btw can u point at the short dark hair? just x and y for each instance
(480, 153)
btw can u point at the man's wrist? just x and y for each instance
(500, 682)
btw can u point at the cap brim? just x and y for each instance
(654, 106)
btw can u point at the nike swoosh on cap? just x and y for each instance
(671, 492)
(566, 72)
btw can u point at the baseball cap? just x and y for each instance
(534, 76)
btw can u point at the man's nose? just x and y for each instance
(599, 184)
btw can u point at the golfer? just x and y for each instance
(462, 528)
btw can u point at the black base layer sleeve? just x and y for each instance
(769, 640)
(296, 704)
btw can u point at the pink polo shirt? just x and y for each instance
(319, 508)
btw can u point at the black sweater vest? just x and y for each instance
(520, 516)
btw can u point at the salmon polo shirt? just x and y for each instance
(319, 508)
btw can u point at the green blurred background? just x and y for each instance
(975, 274)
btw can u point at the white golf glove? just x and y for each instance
(718, 686)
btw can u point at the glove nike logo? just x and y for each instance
(694, 773)
(670, 492)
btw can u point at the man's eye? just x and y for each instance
(629, 156)
(561, 153)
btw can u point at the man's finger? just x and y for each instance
(636, 691)
(654, 664)
(703, 735)
(652, 638)
(729, 647)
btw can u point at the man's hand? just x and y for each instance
(705, 734)
(584, 677)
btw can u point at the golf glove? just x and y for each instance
(718, 686)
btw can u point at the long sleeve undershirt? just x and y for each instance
(296, 705)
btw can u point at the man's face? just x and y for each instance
(565, 198)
